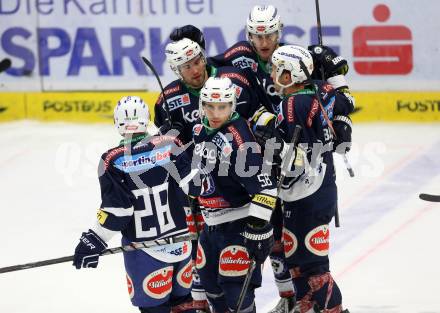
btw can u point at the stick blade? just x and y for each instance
(430, 198)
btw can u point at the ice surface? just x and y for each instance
(384, 257)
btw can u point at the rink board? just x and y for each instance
(92, 107)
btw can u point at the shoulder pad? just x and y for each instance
(240, 48)
(170, 89)
(234, 74)
(111, 154)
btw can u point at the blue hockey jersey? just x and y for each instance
(183, 102)
(239, 185)
(143, 182)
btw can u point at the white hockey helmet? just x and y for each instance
(286, 58)
(131, 115)
(263, 20)
(219, 90)
(180, 52)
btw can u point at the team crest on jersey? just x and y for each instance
(144, 160)
(290, 242)
(244, 62)
(208, 186)
(130, 286)
(159, 283)
(178, 101)
(234, 261)
(317, 240)
(184, 276)
(201, 258)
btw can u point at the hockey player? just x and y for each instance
(140, 187)
(309, 192)
(187, 60)
(263, 33)
(236, 205)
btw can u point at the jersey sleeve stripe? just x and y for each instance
(119, 211)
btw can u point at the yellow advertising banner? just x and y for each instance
(397, 106)
(12, 107)
(91, 107)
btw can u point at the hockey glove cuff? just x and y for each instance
(342, 125)
(258, 239)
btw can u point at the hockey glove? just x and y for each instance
(264, 129)
(190, 32)
(342, 126)
(331, 63)
(88, 250)
(258, 238)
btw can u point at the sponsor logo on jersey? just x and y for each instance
(265, 200)
(112, 154)
(197, 129)
(222, 142)
(200, 259)
(184, 276)
(290, 242)
(216, 202)
(234, 261)
(191, 116)
(291, 110)
(238, 91)
(159, 283)
(317, 240)
(144, 160)
(208, 152)
(237, 50)
(130, 286)
(313, 110)
(243, 62)
(178, 101)
(102, 216)
(237, 77)
(236, 136)
(180, 250)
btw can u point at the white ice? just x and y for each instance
(384, 256)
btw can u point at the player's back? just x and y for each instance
(140, 175)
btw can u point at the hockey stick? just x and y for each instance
(246, 283)
(321, 69)
(315, 89)
(5, 64)
(430, 198)
(151, 67)
(131, 247)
